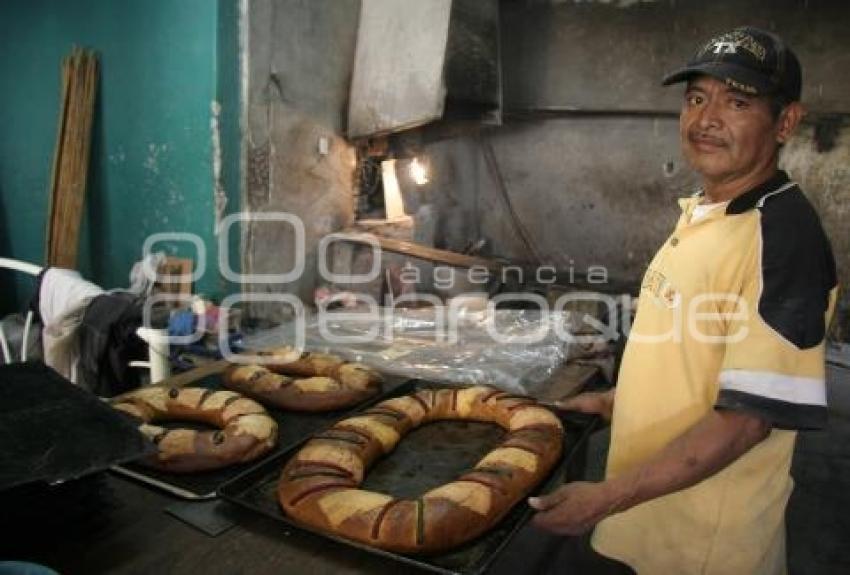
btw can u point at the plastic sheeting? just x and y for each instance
(510, 349)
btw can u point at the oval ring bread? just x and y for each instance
(246, 431)
(319, 486)
(324, 383)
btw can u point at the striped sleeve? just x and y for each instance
(786, 401)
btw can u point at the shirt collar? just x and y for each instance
(750, 199)
(688, 201)
(746, 201)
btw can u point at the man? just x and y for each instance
(725, 360)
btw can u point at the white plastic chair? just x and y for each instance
(33, 270)
(158, 353)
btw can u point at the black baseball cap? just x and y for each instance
(748, 59)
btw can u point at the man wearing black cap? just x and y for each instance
(725, 360)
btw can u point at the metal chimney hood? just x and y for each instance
(420, 61)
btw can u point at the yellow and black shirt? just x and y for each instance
(732, 315)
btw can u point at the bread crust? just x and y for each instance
(306, 381)
(246, 431)
(319, 486)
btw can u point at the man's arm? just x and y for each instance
(711, 444)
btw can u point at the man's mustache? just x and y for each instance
(700, 137)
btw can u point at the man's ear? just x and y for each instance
(789, 119)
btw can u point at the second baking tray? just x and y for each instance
(452, 447)
(292, 427)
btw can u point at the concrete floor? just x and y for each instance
(818, 516)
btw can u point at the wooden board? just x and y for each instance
(428, 253)
(174, 278)
(71, 158)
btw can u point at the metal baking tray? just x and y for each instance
(293, 427)
(452, 447)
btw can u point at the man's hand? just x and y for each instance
(714, 442)
(574, 508)
(601, 403)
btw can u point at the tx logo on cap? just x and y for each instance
(725, 47)
(730, 43)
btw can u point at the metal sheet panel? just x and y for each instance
(398, 79)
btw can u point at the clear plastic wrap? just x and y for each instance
(510, 349)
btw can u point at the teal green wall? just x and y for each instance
(162, 64)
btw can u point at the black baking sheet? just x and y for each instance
(451, 447)
(52, 430)
(293, 427)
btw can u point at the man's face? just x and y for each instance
(726, 134)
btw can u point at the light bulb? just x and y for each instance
(418, 172)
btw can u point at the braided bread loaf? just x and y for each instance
(328, 381)
(246, 430)
(319, 485)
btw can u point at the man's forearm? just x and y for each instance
(711, 444)
(714, 442)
